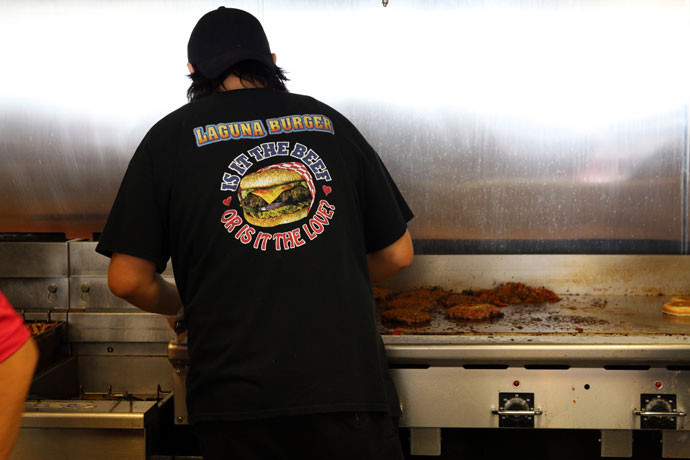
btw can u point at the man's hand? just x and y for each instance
(390, 260)
(135, 280)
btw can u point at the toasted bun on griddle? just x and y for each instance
(269, 178)
(677, 308)
(681, 298)
(278, 220)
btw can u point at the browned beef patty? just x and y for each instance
(411, 303)
(406, 316)
(474, 312)
(381, 294)
(432, 293)
(453, 300)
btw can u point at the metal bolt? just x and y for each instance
(52, 288)
(178, 371)
(85, 287)
(180, 419)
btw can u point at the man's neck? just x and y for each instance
(234, 82)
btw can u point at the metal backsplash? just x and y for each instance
(528, 122)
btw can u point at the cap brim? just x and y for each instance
(215, 66)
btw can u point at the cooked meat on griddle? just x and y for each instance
(474, 312)
(40, 327)
(406, 316)
(381, 294)
(452, 300)
(513, 293)
(411, 303)
(433, 293)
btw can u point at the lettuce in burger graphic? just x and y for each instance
(276, 195)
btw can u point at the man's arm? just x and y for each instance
(390, 260)
(135, 280)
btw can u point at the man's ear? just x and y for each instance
(273, 55)
(191, 67)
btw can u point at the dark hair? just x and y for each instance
(253, 72)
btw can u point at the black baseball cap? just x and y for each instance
(224, 37)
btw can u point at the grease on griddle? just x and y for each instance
(598, 303)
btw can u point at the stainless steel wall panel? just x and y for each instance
(79, 444)
(31, 294)
(133, 374)
(520, 355)
(34, 276)
(686, 184)
(118, 327)
(577, 274)
(505, 121)
(33, 260)
(85, 261)
(120, 348)
(66, 140)
(510, 120)
(92, 292)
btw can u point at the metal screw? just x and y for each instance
(85, 287)
(180, 419)
(52, 288)
(178, 371)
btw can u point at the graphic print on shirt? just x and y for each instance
(253, 129)
(277, 194)
(280, 194)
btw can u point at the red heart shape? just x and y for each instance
(326, 189)
(227, 201)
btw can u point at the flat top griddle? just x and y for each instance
(575, 319)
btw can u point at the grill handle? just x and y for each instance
(642, 413)
(517, 412)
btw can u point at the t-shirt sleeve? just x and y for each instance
(13, 334)
(384, 209)
(138, 219)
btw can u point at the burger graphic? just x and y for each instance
(276, 195)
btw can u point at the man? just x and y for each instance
(276, 214)
(18, 357)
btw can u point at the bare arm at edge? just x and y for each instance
(16, 373)
(390, 260)
(135, 280)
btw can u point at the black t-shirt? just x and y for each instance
(267, 203)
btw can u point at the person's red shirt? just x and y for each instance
(13, 333)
